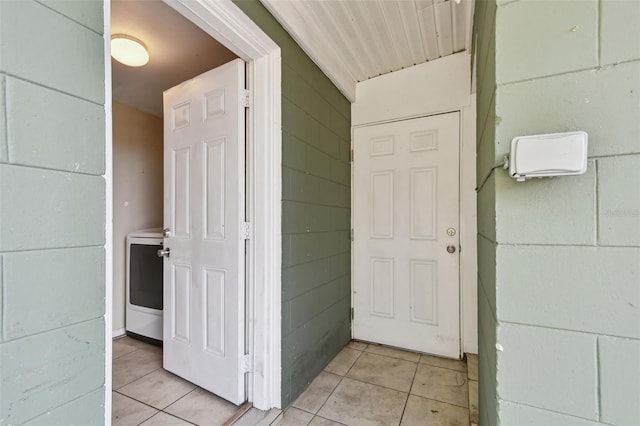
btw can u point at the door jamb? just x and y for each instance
(228, 24)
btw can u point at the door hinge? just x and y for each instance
(245, 98)
(351, 156)
(246, 364)
(245, 230)
(351, 234)
(352, 314)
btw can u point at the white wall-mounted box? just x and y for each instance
(555, 154)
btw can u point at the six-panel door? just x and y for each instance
(204, 163)
(405, 208)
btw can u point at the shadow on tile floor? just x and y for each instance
(365, 384)
(145, 394)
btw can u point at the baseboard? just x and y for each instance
(118, 333)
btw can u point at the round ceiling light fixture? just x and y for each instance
(129, 50)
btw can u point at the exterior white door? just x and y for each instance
(204, 291)
(406, 218)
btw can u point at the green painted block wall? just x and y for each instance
(559, 259)
(316, 174)
(484, 51)
(52, 212)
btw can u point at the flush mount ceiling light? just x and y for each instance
(129, 50)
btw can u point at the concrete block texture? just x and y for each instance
(570, 288)
(49, 129)
(522, 415)
(4, 149)
(619, 375)
(618, 42)
(559, 210)
(43, 46)
(487, 271)
(619, 201)
(42, 372)
(549, 369)
(541, 38)
(299, 279)
(303, 248)
(85, 12)
(605, 103)
(485, 151)
(486, 200)
(60, 287)
(87, 411)
(49, 209)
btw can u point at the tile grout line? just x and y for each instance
(158, 410)
(141, 402)
(413, 379)
(339, 381)
(136, 349)
(179, 399)
(409, 393)
(168, 414)
(135, 380)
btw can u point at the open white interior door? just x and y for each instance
(406, 238)
(204, 291)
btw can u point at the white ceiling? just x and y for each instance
(178, 50)
(354, 40)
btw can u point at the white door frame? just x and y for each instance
(225, 22)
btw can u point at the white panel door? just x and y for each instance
(204, 169)
(406, 218)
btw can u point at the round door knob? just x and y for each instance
(451, 249)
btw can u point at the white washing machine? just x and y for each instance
(144, 273)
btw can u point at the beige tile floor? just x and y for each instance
(368, 384)
(145, 394)
(365, 384)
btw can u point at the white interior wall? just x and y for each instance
(137, 189)
(442, 85)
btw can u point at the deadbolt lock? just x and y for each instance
(451, 232)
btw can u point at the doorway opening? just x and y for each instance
(134, 176)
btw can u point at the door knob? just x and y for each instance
(166, 232)
(450, 249)
(164, 252)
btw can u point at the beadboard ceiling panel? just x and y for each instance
(355, 40)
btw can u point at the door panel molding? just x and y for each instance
(406, 284)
